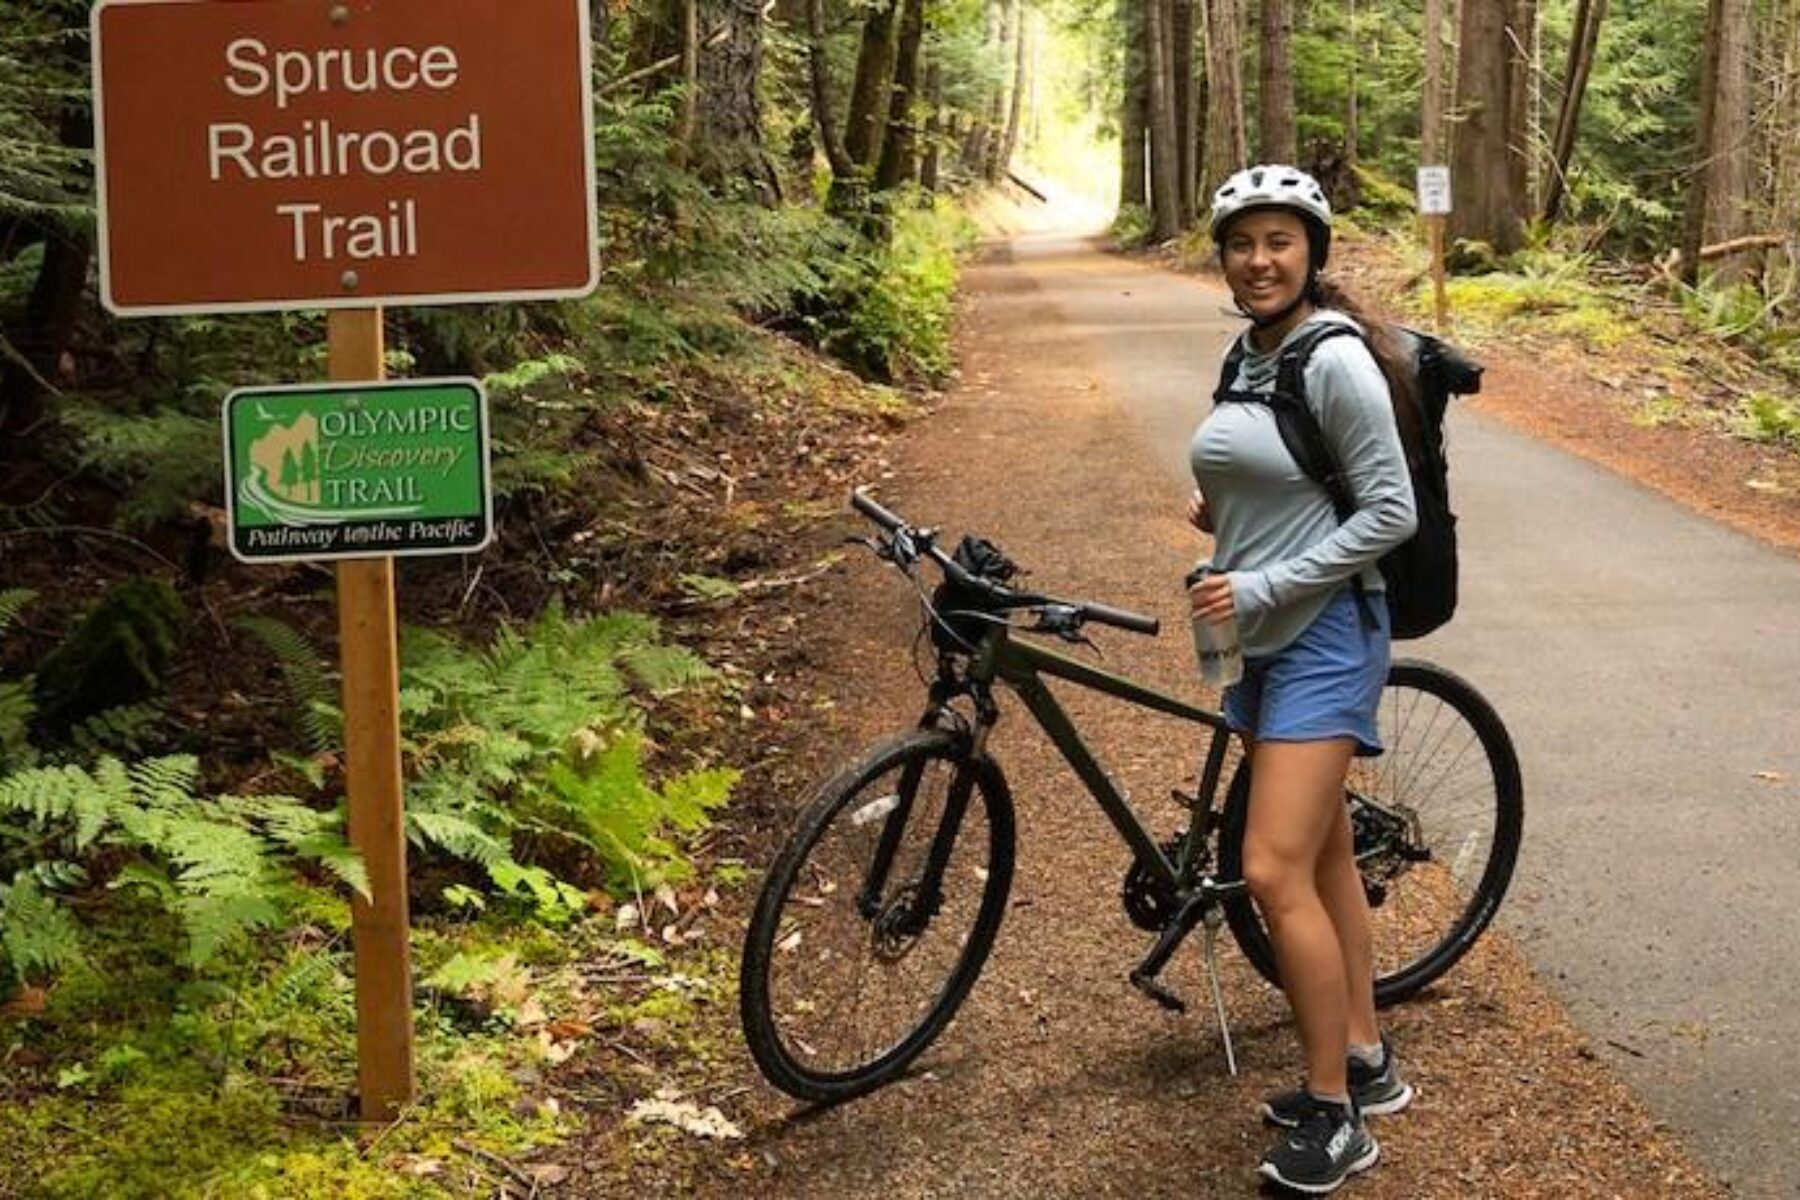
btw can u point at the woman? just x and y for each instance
(1315, 650)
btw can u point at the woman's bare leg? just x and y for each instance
(1341, 890)
(1296, 798)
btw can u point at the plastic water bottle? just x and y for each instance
(1216, 645)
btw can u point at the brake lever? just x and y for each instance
(1065, 624)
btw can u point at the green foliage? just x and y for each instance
(1542, 291)
(534, 745)
(1632, 163)
(537, 742)
(1724, 312)
(890, 304)
(1768, 418)
(118, 654)
(214, 863)
(163, 459)
(39, 174)
(1132, 225)
(603, 800)
(38, 937)
(16, 705)
(312, 684)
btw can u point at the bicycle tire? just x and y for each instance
(1421, 706)
(784, 1033)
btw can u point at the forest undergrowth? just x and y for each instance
(578, 703)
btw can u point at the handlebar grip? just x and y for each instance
(866, 504)
(1136, 622)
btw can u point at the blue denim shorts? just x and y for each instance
(1325, 684)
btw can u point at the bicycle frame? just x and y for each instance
(1021, 665)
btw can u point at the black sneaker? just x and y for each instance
(1378, 1092)
(1330, 1144)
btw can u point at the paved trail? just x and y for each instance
(1647, 662)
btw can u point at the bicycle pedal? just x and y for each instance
(1157, 992)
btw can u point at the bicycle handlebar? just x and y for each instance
(896, 526)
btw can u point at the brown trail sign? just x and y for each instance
(280, 154)
(258, 154)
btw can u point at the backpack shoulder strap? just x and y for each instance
(1234, 358)
(1290, 374)
(1299, 425)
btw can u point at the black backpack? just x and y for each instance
(1420, 572)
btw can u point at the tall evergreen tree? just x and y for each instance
(1488, 172)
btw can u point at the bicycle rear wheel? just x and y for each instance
(876, 917)
(1436, 820)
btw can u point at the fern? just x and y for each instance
(457, 836)
(12, 603)
(540, 735)
(221, 865)
(311, 683)
(16, 704)
(37, 935)
(127, 729)
(16, 709)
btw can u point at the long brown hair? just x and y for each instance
(1394, 359)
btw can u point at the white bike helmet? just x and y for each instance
(1273, 185)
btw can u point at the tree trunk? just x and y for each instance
(898, 153)
(868, 94)
(1784, 137)
(730, 150)
(1134, 108)
(819, 69)
(1719, 201)
(1187, 146)
(1278, 138)
(52, 310)
(935, 130)
(997, 101)
(1226, 150)
(1353, 114)
(1487, 163)
(1015, 105)
(690, 83)
(1522, 137)
(1165, 158)
(1584, 40)
(1431, 108)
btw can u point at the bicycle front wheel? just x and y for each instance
(876, 917)
(1436, 821)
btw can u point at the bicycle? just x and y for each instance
(898, 872)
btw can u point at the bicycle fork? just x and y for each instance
(929, 894)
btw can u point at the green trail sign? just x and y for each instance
(357, 470)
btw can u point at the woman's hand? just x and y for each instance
(1211, 598)
(1199, 512)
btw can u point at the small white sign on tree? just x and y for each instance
(1434, 191)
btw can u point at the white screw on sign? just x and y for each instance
(1434, 191)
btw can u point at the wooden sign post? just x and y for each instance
(1434, 209)
(267, 155)
(369, 643)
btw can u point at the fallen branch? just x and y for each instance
(1041, 197)
(1754, 241)
(518, 1176)
(660, 65)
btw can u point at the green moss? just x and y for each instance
(1598, 326)
(118, 654)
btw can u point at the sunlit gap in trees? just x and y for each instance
(1069, 141)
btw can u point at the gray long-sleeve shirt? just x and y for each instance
(1274, 529)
